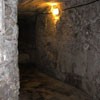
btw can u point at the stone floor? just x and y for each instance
(38, 86)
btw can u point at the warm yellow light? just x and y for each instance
(54, 7)
(52, 3)
(55, 11)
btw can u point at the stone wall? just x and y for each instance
(70, 49)
(9, 78)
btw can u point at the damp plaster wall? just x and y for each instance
(9, 76)
(70, 50)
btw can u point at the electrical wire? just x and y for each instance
(73, 7)
(80, 5)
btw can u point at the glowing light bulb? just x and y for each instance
(55, 11)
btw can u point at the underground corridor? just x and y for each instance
(46, 51)
(50, 50)
(52, 53)
(38, 56)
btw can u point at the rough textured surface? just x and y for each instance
(70, 50)
(9, 78)
(38, 86)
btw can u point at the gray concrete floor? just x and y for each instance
(39, 86)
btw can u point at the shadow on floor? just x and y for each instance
(39, 86)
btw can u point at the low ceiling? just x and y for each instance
(30, 6)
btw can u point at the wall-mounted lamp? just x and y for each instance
(55, 10)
